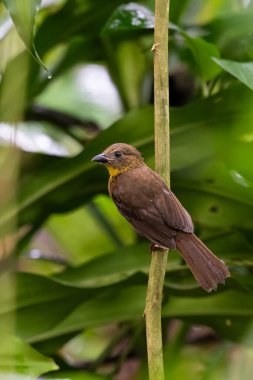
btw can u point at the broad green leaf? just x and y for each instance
(177, 10)
(124, 232)
(10, 46)
(233, 246)
(200, 13)
(128, 67)
(213, 210)
(80, 24)
(40, 303)
(46, 310)
(105, 230)
(23, 15)
(43, 321)
(220, 190)
(124, 303)
(75, 18)
(129, 17)
(243, 71)
(128, 303)
(227, 304)
(79, 247)
(40, 311)
(108, 269)
(203, 53)
(233, 29)
(13, 85)
(34, 323)
(18, 357)
(33, 290)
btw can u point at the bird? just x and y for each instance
(153, 210)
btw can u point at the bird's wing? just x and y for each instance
(147, 222)
(173, 213)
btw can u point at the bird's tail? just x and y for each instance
(208, 270)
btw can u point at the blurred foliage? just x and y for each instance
(73, 272)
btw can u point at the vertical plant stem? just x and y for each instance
(162, 159)
(161, 90)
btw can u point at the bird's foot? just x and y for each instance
(156, 247)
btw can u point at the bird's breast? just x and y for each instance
(118, 187)
(113, 185)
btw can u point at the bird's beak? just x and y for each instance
(100, 158)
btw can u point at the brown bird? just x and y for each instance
(143, 198)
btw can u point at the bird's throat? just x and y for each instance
(114, 172)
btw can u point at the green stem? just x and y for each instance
(162, 158)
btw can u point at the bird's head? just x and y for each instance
(119, 158)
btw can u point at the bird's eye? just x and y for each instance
(117, 154)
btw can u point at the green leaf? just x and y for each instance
(232, 29)
(13, 84)
(108, 269)
(129, 17)
(127, 59)
(33, 290)
(203, 53)
(43, 321)
(243, 71)
(42, 306)
(227, 304)
(77, 246)
(75, 18)
(128, 66)
(128, 303)
(10, 46)
(40, 303)
(212, 209)
(18, 357)
(177, 9)
(23, 14)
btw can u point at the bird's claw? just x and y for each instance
(156, 247)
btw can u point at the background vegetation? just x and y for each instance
(73, 273)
